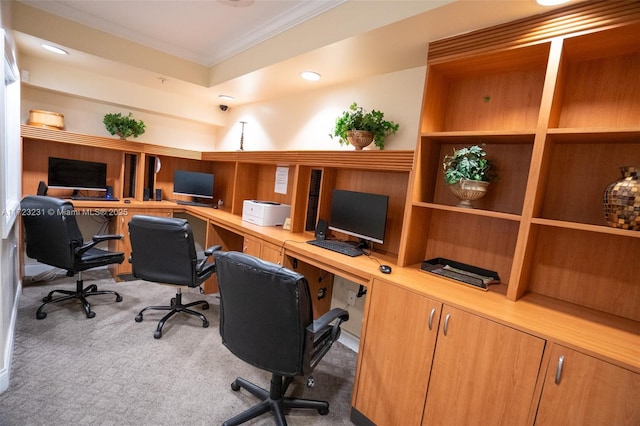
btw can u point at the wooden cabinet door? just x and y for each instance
(263, 250)
(397, 349)
(123, 228)
(252, 246)
(271, 253)
(583, 390)
(483, 373)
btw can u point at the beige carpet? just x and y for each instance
(109, 370)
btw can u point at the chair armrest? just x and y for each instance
(321, 337)
(326, 318)
(96, 240)
(207, 254)
(106, 237)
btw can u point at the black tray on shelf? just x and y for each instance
(461, 272)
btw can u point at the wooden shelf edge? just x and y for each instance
(64, 136)
(586, 227)
(595, 134)
(477, 212)
(492, 136)
(390, 160)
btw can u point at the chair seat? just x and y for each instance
(266, 320)
(163, 251)
(95, 254)
(55, 239)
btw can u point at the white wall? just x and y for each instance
(304, 122)
(85, 116)
(9, 278)
(299, 122)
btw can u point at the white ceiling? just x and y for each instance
(203, 31)
(204, 48)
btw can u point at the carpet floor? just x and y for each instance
(109, 370)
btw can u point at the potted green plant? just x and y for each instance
(359, 128)
(123, 126)
(468, 173)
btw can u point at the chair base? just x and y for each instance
(80, 293)
(273, 400)
(175, 307)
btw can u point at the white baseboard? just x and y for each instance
(349, 340)
(5, 372)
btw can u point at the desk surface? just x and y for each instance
(606, 336)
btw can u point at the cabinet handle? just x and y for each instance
(446, 324)
(559, 369)
(431, 315)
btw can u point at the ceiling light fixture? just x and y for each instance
(226, 97)
(54, 49)
(310, 75)
(237, 3)
(551, 2)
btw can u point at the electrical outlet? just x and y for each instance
(351, 298)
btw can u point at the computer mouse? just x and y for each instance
(385, 269)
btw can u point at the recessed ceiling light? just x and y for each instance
(55, 49)
(551, 2)
(226, 97)
(310, 75)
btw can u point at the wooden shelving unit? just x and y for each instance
(555, 99)
(238, 175)
(558, 114)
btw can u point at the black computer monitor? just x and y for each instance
(359, 214)
(78, 175)
(195, 184)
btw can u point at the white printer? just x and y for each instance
(265, 213)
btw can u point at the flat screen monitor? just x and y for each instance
(195, 184)
(359, 214)
(78, 175)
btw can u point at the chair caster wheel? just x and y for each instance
(157, 334)
(323, 411)
(311, 382)
(118, 298)
(138, 318)
(41, 315)
(205, 324)
(235, 387)
(91, 314)
(205, 306)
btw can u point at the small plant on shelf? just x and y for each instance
(123, 126)
(359, 128)
(468, 173)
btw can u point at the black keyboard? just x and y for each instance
(341, 247)
(83, 198)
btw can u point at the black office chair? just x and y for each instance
(266, 320)
(163, 251)
(53, 238)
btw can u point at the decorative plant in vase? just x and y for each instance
(123, 126)
(359, 128)
(468, 173)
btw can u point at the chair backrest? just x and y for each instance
(163, 250)
(51, 230)
(264, 311)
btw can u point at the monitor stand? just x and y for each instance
(196, 202)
